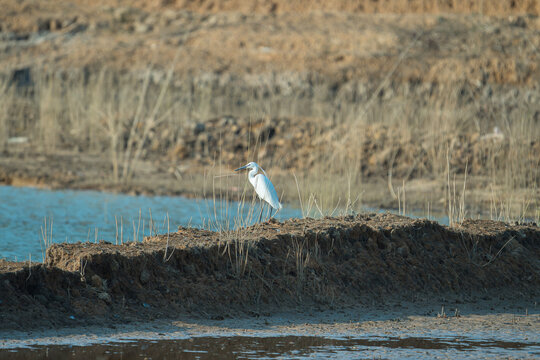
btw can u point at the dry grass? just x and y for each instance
(102, 112)
(130, 116)
(236, 247)
(301, 256)
(456, 211)
(234, 234)
(5, 100)
(423, 134)
(46, 239)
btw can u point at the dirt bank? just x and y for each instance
(311, 264)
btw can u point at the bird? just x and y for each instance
(263, 187)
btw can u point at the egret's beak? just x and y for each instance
(241, 168)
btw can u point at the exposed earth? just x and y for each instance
(366, 261)
(383, 93)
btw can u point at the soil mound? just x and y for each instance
(309, 263)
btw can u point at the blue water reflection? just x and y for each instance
(86, 215)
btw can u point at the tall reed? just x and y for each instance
(132, 116)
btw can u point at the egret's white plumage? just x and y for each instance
(263, 186)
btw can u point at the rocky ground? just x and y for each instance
(307, 264)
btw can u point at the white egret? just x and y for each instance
(263, 187)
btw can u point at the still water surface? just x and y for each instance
(287, 347)
(86, 215)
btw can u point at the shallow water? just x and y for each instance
(89, 215)
(85, 215)
(290, 347)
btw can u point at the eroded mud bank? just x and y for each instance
(320, 264)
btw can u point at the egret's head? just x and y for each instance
(251, 165)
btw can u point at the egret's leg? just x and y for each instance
(268, 208)
(260, 214)
(271, 209)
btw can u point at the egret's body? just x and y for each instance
(262, 185)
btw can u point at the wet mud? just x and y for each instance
(325, 264)
(276, 347)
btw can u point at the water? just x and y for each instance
(86, 215)
(289, 347)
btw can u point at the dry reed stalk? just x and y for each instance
(107, 110)
(5, 102)
(46, 237)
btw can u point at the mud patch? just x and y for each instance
(277, 347)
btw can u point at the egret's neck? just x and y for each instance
(252, 173)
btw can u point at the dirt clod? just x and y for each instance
(97, 282)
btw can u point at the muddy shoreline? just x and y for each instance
(503, 323)
(332, 263)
